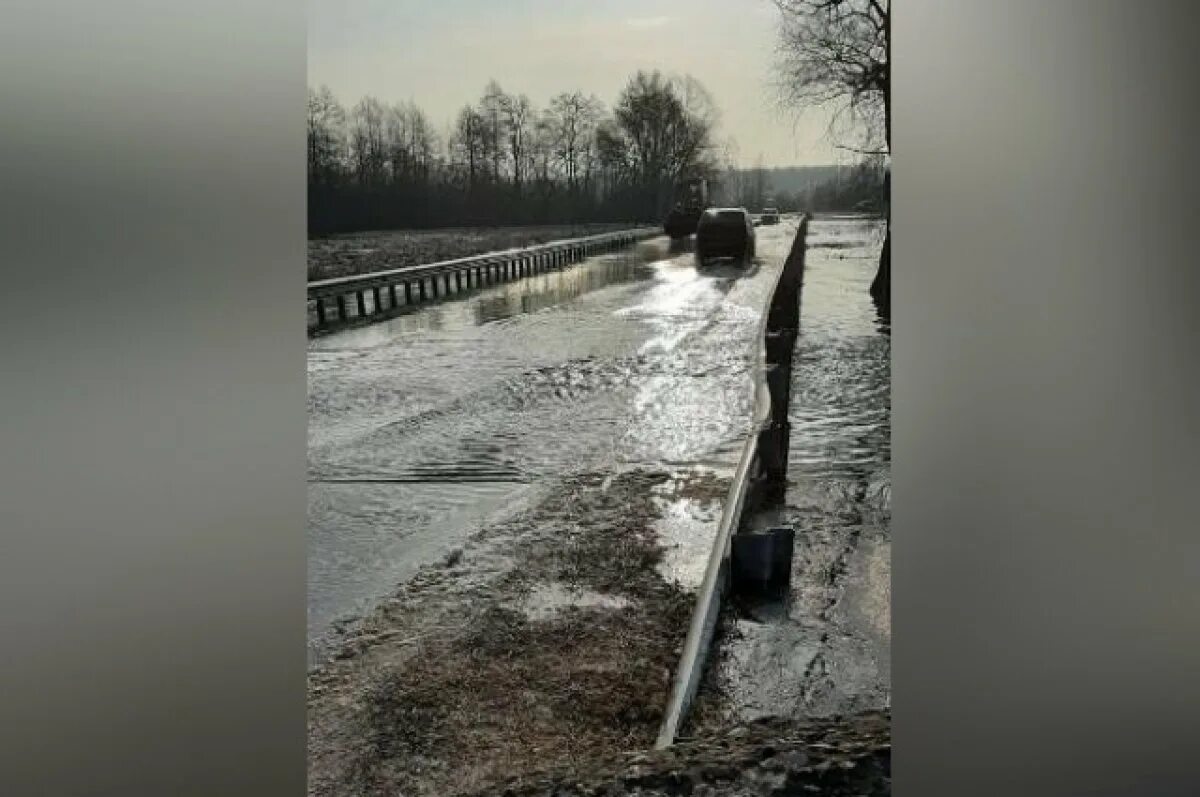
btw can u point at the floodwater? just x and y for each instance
(826, 650)
(428, 427)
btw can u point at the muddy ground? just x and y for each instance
(547, 642)
(360, 253)
(832, 757)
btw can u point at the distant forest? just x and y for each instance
(504, 161)
(858, 187)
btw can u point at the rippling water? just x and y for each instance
(841, 401)
(827, 649)
(426, 427)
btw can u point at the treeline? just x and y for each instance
(861, 187)
(506, 161)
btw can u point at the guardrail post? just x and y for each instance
(761, 563)
(779, 344)
(378, 300)
(392, 295)
(321, 320)
(361, 298)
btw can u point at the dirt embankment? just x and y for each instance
(361, 253)
(548, 641)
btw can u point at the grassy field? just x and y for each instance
(364, 252)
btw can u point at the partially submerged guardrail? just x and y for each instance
(341, 301)
(761, 476)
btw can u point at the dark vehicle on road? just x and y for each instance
(770, 216)
(691, 200)
(725, 232)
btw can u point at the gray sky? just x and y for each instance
(441, 53)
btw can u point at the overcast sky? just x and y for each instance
(441, 53)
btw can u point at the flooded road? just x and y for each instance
(826, 650)
(426, 428)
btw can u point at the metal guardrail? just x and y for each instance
(761, 477)
(380, 293)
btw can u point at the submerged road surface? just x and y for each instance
(425, 428)
(826, 650)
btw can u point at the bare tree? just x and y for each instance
(326, 120)
(368, 141)
(469, 140)
(491, 109)
(837, 54)
(663, 137)
(574, 117)
(422, 142)
(396, 124)
(694, 148)
(517, 116)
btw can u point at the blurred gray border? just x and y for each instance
(1045, 399)
(152, 498)
(1046, 414)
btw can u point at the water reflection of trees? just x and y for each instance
(537, 293)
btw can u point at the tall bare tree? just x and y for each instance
(326, 136)
(368, 141)
(469, 140)
(517, 113)
(665, 129)
(574, 117)
(491, 109)
(837, 54)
